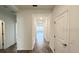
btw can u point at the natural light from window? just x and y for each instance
(40, 33)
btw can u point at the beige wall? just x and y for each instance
(24, 30)
(74, 28)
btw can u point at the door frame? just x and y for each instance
(68, 41)
(3, 32)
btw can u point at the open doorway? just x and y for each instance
(7, 41)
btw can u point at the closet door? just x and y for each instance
(61, 33)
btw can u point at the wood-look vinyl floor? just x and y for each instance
(44, 48)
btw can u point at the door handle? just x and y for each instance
(65, 45)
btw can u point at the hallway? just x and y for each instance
(44, 48)
(40, 29)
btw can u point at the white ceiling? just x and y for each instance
(38, 7)
(8, 8)
(13, 8)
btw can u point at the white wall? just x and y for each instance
(25, 27)
(47, 28)
(24, 30)
(51, 44)
(10, 28)
(74, 28)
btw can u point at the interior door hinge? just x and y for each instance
(54, 49)
(2, 43)
(54, 22)
(2, 34)
(54, 36)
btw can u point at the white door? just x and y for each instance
(61, 33)
(1, 34)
